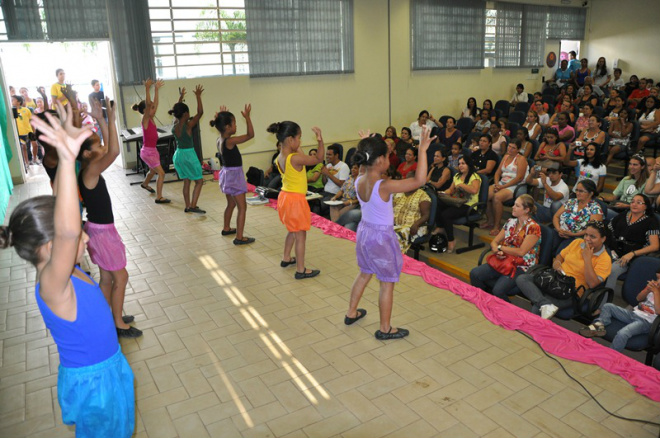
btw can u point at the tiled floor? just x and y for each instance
(234, 346)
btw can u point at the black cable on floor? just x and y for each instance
(586, 390)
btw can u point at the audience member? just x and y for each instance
(498, 139)
(550, 149)
(617, 83)
(592, 134)
(509, 175)
(544, 117)
(391, 151)
(601, 74)
(28, 101)
(613, 105)
(580, 74)
(483, 124)
(620, 132)
(412, 210)
(449, 135)
(424, 119)
(582, 121)
(488, 106)
(595, 89)
(585, 259)
(471, 109)
(404, 142)
(409, 164)
(485, 160)
(314, 177)
(562, 75)
(628, 187)
(565, 131)
(564, 107)
(649, 123)
(590, 167)
(272, 175)
(334, 173)
(519, 240)
(439, 175)
(56, 89)
(519, 95)
(390, 132)
(533, 126)
(587, 96)
(635, 97)
(555, 191)
(346, 195)
(456, 154)
(570, 221)
(573, 63)
(631, 85)
(524, 144)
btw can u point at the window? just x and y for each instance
(446, 34)
(566, 23)
(300, 37)
(193, 38)
(489, 41)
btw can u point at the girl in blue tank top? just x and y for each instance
(377, 247)
(95, 383)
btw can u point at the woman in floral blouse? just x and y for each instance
(520, 237)
(347, 195)
(571, 220)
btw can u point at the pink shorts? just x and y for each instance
(150, 156)
(105, 247)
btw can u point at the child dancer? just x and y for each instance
(105, 247)
(95, 383)
(232, 177)
(149, 153)
(377, 246)
(185, 159)
(292, 204)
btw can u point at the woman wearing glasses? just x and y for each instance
(585, 259)
(571, 219)
(634, 233)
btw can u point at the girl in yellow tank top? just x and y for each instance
(292, 206)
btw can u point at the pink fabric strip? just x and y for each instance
(553, 338)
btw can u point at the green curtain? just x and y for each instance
(6, 186)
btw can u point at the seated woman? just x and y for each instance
(588, 96)
(424, 119)
(409, 164)
(504, 128)
(450, 134)
(620, 132)
(347, 195)
(638, 321)
(411, 215)
(484, 160)
(634, 233)
(390, 132)
(483, 124)
(524, 145)
(544, 117)
(519, 95)
(520, 237)
(585, 259)
(488, 106)
(471, 111)
(511, 173)
(498, 140)
(652, 186)
(533, 126)
(628, 187)
(614, 104)
(582, 121)
(391, 153)
(649, 123)
(590, 167)
(456, 155)
(592, 134)
(465, 185)
(550, 149)
(571, 219)
(565, 106)
(439, 175)
(314, 180)
(404, 142)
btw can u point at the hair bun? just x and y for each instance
(273, 128)
(212, 123)
(135, 107)
(5, 237)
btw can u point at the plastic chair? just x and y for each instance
(465, 125)
(517, 117)
(550, 100)
(522, 107)
(418, 243)
(349, 156)
(504, 106)
(641, 270)
(473, 216)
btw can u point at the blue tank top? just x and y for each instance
(376, 211)
(92, 337)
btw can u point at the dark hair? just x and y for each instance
(589, 186)
(603, 71)
(628, 111)
(87, 146)
(368, 150)
(490, 102)
(597, 160)
(520, 86)
(37, 133)
(600, 227)
(452, 119)
(552, 131)
(573, 52)
(94, 82)
(284, 130)
(589, 104)
(312, 150)
(647, 202)
(31, 225)
(414, 151)
(422, 113)
(222, 120)
(407, 130)
(471, 170)
(488, 137)
(18, 98)
(393, 130)
(643, 176)
(525, 131)
(58, 71)
(178, 110)
(565, 114)
(618, 70)
(336, 148)
(139, 107)
(598, 119)
(473, 111)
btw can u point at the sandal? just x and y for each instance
(595, 330)
(399, 334)
(147, 188)
(361, 313)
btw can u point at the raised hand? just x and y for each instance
(222, 109)
(96, 110)
(67, 145)
(317, 131)
(148, 83)
(70, 94)
(246, 112)
(159, 83)
(364, 134)
(198, 90)
(109, 109)
(425, 139)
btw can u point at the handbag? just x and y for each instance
(506, 265)
(555, 284)
(451, 201)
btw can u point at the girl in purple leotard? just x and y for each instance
(377, 246)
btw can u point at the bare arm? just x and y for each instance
(200, 108)
(299, 160)
(528, 243)
(93, 171)
(233, 141)
(389, 186)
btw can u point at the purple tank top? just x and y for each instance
(375, 211)
(92, 337)
(150, 135)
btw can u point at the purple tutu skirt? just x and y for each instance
(150, 156)
(232, 181)
(105, 247)
(378, 251)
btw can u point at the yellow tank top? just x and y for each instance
(294, 181)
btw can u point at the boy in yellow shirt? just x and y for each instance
(25, 134)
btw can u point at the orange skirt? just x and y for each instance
(294, 211)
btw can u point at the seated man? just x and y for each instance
(556, 190)
(638, 320)
(638, 94)
(411, 215)
(334, 173)
(595, 88)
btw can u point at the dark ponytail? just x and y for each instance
(178, 110)
(31, 226)
(284, 130)
(222, 120)
(368, 151)
(139, 107)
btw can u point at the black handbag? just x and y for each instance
(555, 284)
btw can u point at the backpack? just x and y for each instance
(438, 243)
(255, 176)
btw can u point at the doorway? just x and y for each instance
(33, 64)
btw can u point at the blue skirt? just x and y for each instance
(99, 399)
(187, 164)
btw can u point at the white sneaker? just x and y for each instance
(548, 311)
